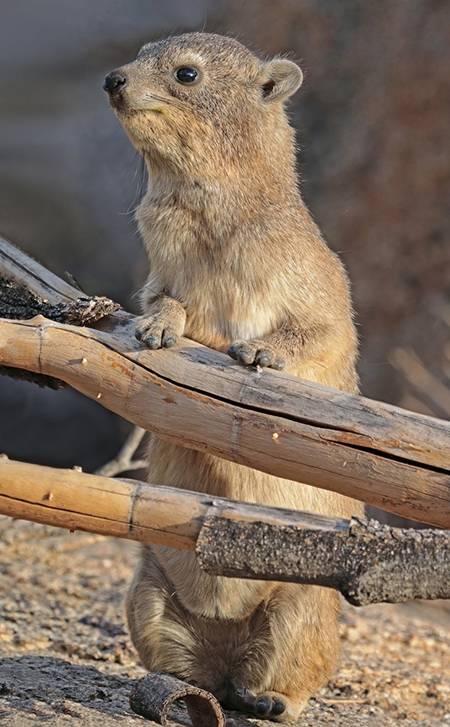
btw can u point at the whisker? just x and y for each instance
(140, 174)
(165, 99)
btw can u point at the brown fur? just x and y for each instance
(234, 256)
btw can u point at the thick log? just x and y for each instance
(298, 430)
(156, 695)
(367, 562)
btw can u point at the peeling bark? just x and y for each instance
(155, 696)
(17, 302)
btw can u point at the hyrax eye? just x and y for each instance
(186, 75)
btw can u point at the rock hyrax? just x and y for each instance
(238, 264)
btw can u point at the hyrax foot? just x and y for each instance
(258, 353)
(156, 332)
(269, 705)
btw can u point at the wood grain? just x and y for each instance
(126, 508)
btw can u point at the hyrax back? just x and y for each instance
(236, 263)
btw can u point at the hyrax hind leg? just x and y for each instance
(300, 645)
(267, 664)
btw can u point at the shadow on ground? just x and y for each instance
(48, 689)
(34, 683)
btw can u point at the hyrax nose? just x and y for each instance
(114, 82)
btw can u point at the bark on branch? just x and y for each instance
(200, 399)
(366, 561)
(18, 302)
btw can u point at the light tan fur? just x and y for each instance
(235, 258)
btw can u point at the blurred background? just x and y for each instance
(373, 130)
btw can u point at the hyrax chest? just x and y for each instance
(199, 256)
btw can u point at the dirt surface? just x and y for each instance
(66, 659)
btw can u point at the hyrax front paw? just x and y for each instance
(256, 353)
(163, 323)
(155, 331)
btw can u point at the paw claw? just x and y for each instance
(246, 357)
(169, 339)
(278, 707)
(149, 333)
(263, 706)
(152, 342)
(263, 358)
(232, 351)
(278, 364)
(252, 352)
(242, 352)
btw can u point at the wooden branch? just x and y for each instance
(366, 561)
(201, 399)
(322, 454)
(155, 696)
(125, 508)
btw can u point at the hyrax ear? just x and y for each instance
(281, 78)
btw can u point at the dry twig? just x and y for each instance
(124, 461)
(421, 379)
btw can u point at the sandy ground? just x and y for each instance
(66, 659)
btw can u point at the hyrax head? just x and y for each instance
(199, 102)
